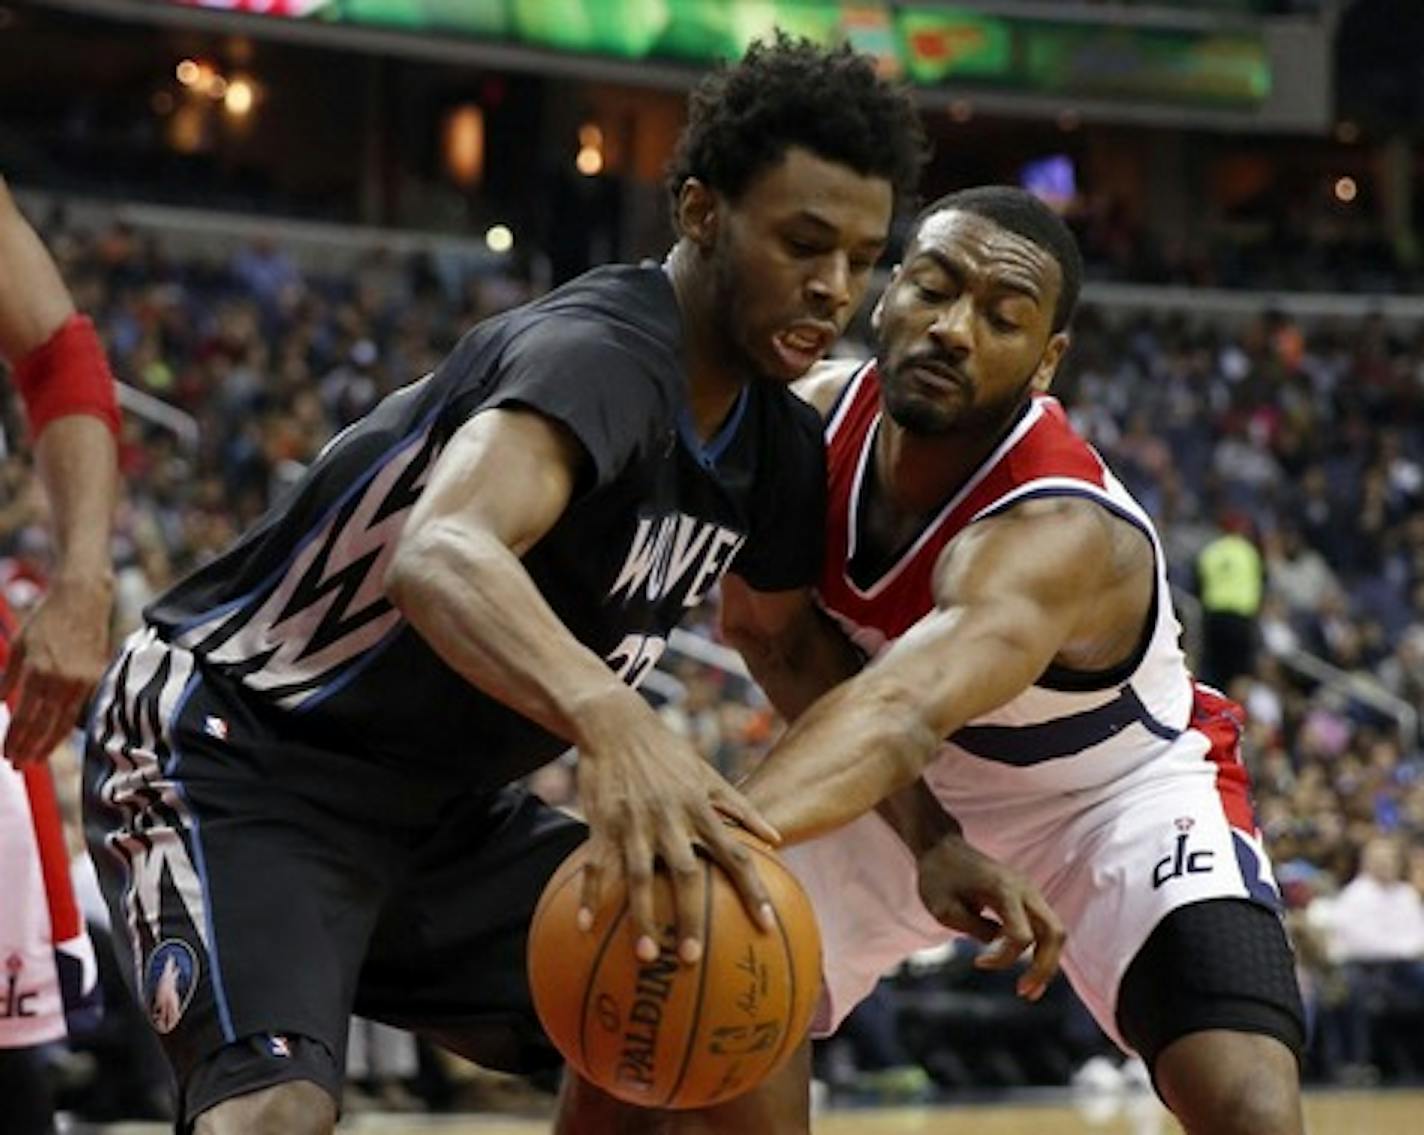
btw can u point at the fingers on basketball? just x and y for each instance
(665, 1033)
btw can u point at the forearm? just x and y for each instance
(874, 735)
(917, 817)
(840, 759)
(470, 598)
(76, 459)
(33, 299)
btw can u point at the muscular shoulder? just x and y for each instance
(823, 385)
(1070, 543)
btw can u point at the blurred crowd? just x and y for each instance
(1308, 445)
(1305, 444)
(1290, 237)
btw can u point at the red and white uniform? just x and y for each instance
(48, 974)
(1121, 794)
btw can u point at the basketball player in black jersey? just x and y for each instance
(299, 769)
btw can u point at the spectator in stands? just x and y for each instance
(1297, 573)
(1376, 931)
(1230, 579)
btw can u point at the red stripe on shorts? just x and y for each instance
(1222, 721)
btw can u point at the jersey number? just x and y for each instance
(635, 656)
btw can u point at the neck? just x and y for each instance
(919, 472)
(713, 382)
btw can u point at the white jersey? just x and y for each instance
(1087, 782)
(1069, 731)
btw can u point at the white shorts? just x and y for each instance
(48, 973)
(1112, 863)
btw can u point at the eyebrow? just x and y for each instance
(805, 216)
(1000, 283)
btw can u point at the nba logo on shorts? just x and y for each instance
(170, 979)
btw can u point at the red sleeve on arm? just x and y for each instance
(67, 374)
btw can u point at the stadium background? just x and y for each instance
(279, 210)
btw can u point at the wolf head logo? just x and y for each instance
(172, 978)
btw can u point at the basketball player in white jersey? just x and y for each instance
(1024, 678)
(48, 974)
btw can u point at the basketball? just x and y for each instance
(664, 1034)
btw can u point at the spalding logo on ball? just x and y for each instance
(662, 1033)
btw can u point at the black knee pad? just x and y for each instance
(1218, 964)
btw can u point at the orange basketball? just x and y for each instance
(664, 1034)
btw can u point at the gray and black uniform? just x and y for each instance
(299, 810)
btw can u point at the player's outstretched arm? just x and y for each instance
(1010, 593)
(64, 381)
(501, 483)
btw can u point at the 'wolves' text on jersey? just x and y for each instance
(295, 614)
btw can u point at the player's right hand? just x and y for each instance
(959, 883)
(55, 661)
(649, 797)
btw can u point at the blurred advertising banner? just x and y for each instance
(926, 44)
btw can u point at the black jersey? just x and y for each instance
(294, 613)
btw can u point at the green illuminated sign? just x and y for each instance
(929, 45)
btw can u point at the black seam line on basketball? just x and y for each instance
(791, 981)
(573, 877)
(593, 983)
(701, 980)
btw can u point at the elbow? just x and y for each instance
(402, 579)
(412, 575)
(439, 564)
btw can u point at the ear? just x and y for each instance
(877, 314)
(1048, 363)
(698, 213)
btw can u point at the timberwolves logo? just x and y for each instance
(171, 977)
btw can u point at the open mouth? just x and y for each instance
(802, 345)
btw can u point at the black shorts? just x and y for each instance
(264, 888)
(1219, 964)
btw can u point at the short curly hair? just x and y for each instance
(790, 92)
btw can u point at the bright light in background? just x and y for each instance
(187, 72)
(463, 145)
(216, 88)
(1346, 190)
(589, 161)
(240, 96)
(499, 238)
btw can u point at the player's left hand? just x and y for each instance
(961, 887)
(55, 661)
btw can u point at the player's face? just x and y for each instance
(793, 258)
(965, 327)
